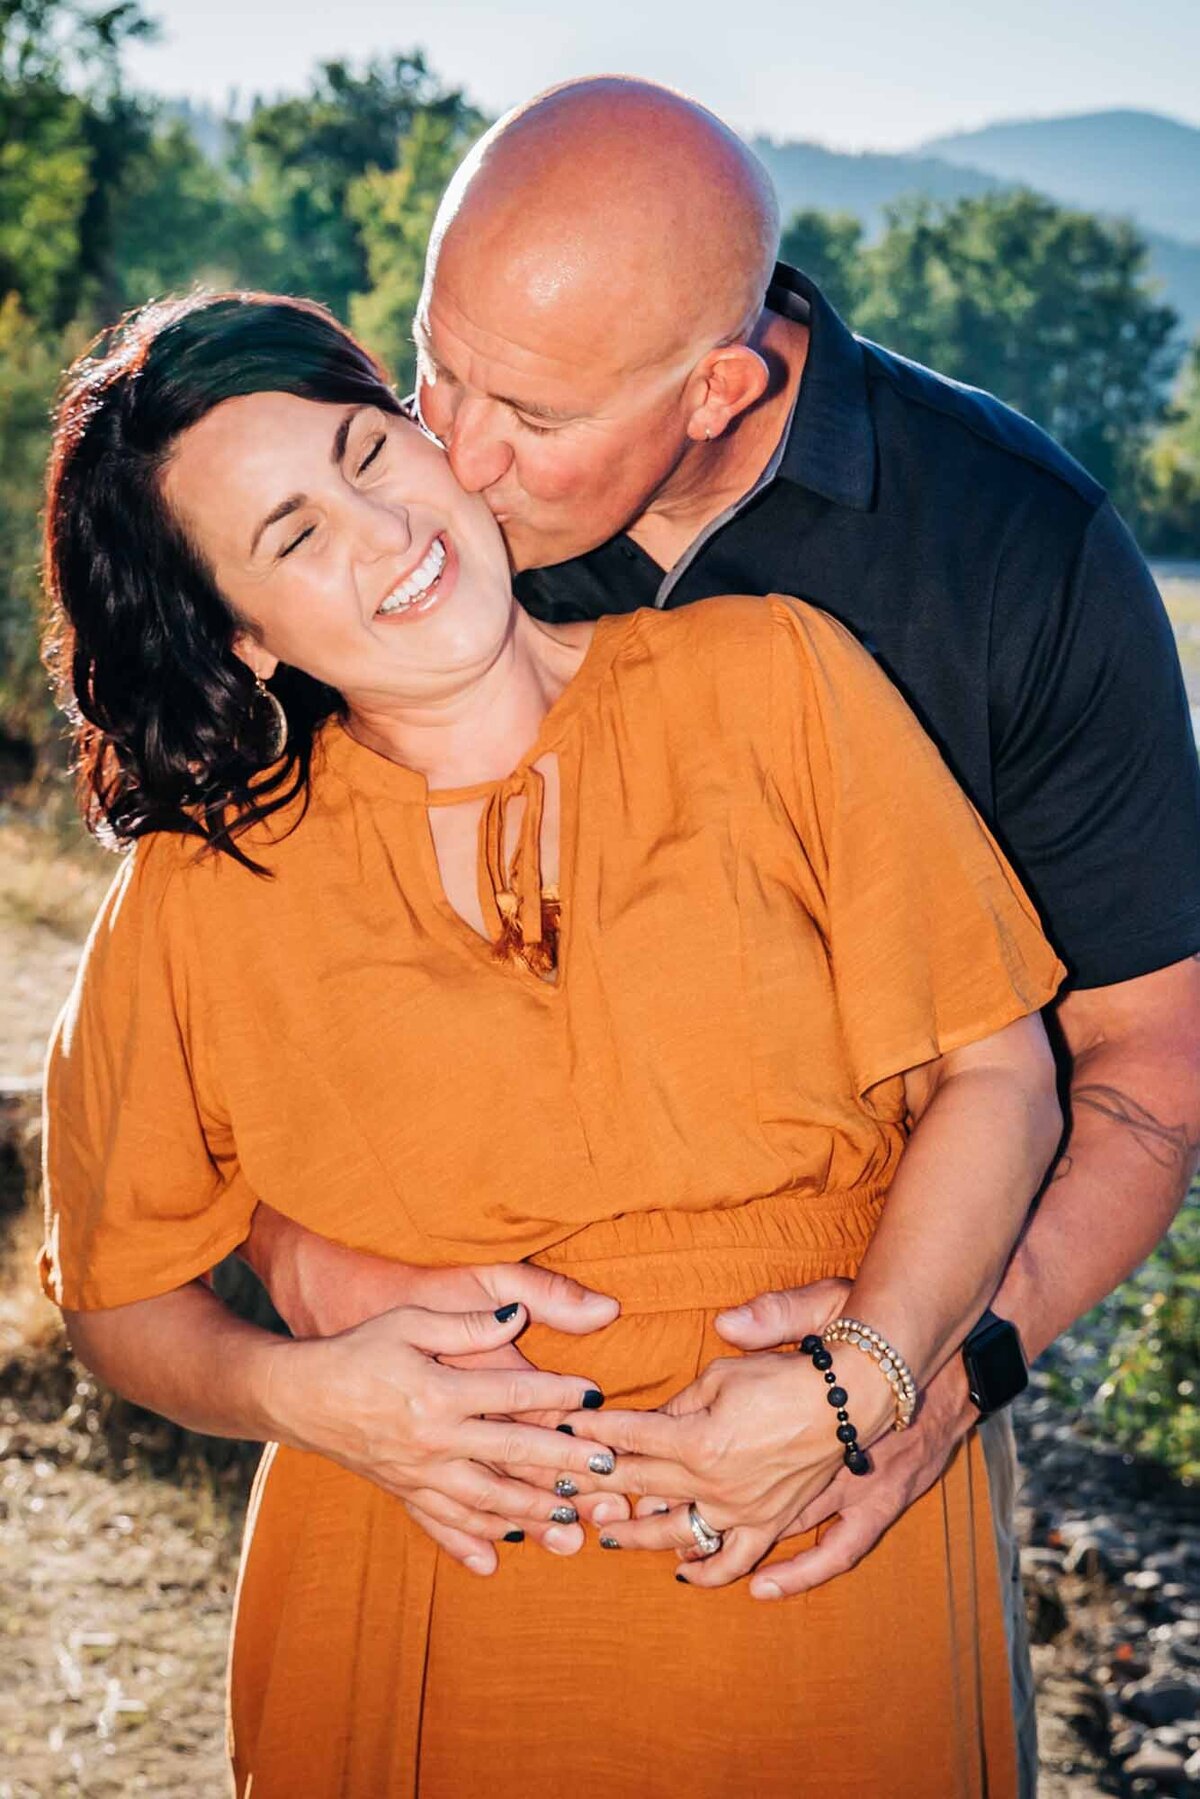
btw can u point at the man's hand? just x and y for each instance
(904, 1464)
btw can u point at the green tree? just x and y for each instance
(1046, 307)
(29, 367)
(828, 246)
(1170, 524)
(68, 135)
(299, 158)
(394, 210)
(176, 219)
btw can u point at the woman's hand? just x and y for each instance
(752, 1442)
(378, 1401)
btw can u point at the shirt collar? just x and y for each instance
(830, 446)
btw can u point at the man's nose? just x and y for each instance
(478, 446)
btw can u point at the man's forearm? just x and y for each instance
(319, 1287)
(1131, 1153)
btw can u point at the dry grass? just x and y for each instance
(52, 876)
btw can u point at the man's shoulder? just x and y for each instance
(1025, 457)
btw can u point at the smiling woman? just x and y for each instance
(593, 957)
(169, 732)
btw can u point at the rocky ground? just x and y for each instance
(1112, 1581)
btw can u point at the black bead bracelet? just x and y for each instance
(854, 1457)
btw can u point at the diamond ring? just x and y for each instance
(708, 1540)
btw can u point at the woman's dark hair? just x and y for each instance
(170, 731)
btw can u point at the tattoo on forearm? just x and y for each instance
(1169, 1145)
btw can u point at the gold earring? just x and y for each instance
(277, 741)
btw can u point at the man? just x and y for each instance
(596, 355)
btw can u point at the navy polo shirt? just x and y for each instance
(991, 578)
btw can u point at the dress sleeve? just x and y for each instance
(932, 942)
(141, 1183)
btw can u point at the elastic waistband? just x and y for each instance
(687, 1261)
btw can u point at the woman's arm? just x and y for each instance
(752, 1440)
(986, 1123)
(375, 1399)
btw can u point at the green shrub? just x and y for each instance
(1131, 1365)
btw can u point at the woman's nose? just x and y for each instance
(477, 445)
(381, 530)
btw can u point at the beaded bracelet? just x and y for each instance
(854, 1457)
(890, 1362)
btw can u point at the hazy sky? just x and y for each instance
(856, 74)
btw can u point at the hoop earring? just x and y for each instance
(277, 741)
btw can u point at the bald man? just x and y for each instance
(655, 412)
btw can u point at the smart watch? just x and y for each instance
(995, 1363)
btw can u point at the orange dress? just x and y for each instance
(774, 901)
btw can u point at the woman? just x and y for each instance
(662, 953)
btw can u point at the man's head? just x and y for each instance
(595, 270)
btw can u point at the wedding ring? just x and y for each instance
(708, 1540)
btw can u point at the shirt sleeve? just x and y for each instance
(1097, 786)
(141, 1183)
(931, 940)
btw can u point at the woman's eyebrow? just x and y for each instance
(291, 504)
(343, 432)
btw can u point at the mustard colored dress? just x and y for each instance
(774, 900)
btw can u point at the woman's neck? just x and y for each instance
(479, 732)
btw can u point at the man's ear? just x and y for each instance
(730, 378)
(258, 659)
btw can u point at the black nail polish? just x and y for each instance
(592, 1400)
(514, 1536)
(683, 1580)
(565, 1429)
(504, 1313)
(609, 1543)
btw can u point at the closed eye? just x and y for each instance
(534, 430)
(376, 447)
(296, 542)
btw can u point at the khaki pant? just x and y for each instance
(1004, 1477)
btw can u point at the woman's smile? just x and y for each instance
(429, 581)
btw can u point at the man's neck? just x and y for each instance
(714, 476)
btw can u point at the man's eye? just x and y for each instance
(296, 542)
(372, 453)
(534, 430)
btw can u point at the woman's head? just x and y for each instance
(234, 493)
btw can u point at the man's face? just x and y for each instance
(565, 446)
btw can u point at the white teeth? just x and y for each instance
(408, 592)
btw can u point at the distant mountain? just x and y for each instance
(810, 175)
(1136, 163)
(837, 181)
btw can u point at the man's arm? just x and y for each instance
(1132, 1148)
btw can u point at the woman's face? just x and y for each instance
(341, 538)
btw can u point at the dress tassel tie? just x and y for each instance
(522, 915)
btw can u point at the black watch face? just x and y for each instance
(996, 1367)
